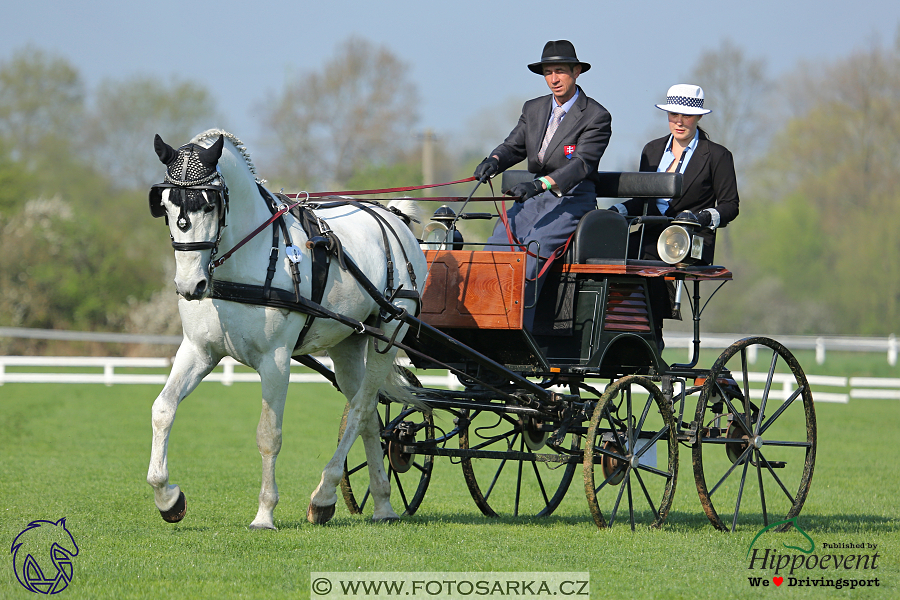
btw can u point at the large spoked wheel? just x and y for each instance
(756, 447)
(531, 476)
(631, 455)
(408, 473)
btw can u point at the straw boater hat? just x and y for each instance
(560, 51)
(684, 99)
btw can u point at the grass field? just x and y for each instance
(81, 452)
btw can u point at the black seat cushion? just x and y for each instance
(600, 234)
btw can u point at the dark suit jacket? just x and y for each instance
(709, 182)
(587, 127)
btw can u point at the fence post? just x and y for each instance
(108, 378)
(820, 350)
(892, 350)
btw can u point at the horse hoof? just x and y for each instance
(387, 520)
(319, 515)
(176, 513)
(262, 527)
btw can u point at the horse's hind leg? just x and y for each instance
(188, 369)
(359, 377)
(275, 377)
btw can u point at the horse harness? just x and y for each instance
(198, 190)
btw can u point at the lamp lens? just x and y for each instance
(435, 237)
(674, 244)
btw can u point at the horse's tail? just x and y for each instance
(416, 214)
(400, 387)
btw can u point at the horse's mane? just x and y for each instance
(212, 134)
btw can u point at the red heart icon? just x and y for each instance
(778, 580)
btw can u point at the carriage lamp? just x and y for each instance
(441, 233)
(677, 243)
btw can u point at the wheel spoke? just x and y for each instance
(768, 388)
(640, 425)
(739, 417)
(615, 509)
(629, 431)
(777, 479)
(519, 478)
(630, 503)
(400, 489)
(640, 479)
(488, 441)
(537, 474)
(737, 505)
(496, 477)
(745, 373)
(652, 441)
(357, 468)
(362, 504)
(654, 470)
(612, 428)
(762, 491)
(612, 476)
(781, 409)
(738, 462)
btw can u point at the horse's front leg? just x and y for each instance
(275, 375)
(188, 370)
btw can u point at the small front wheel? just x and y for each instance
(631, 455)
(409, 474)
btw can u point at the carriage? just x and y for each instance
(584, 391)
(590, 375)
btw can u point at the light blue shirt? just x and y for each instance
(565, 107)
(666, 161)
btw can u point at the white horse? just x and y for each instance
(203, 216)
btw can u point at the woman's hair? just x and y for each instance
(703, 134)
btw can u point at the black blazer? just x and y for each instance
(587, 127)
(709, 182)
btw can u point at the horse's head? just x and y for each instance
(194, 200)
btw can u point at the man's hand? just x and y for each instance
(487, 169)
(526, 190)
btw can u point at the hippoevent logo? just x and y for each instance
(838, 565)
(42, 556)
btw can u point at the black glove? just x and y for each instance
(526, 190)
(704, 217)
(487, 169)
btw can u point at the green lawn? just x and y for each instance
(81, 452)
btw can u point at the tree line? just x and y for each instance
(815, 249)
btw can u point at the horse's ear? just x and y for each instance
(210, 156)
(164, 151)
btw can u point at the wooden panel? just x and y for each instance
(474, 289)
(626, 308)
(670, 272)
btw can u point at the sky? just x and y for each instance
(466, 57)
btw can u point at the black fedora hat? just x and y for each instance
(560, 51)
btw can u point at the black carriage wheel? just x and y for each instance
(408, 474)
(757, 448)
(621, 474)
(515, 486)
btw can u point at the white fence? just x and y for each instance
(674, 339)
(95, 370)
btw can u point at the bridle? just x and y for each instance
(210, 187)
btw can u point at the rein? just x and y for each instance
(281, 211)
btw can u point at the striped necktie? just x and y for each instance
(558, 113)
